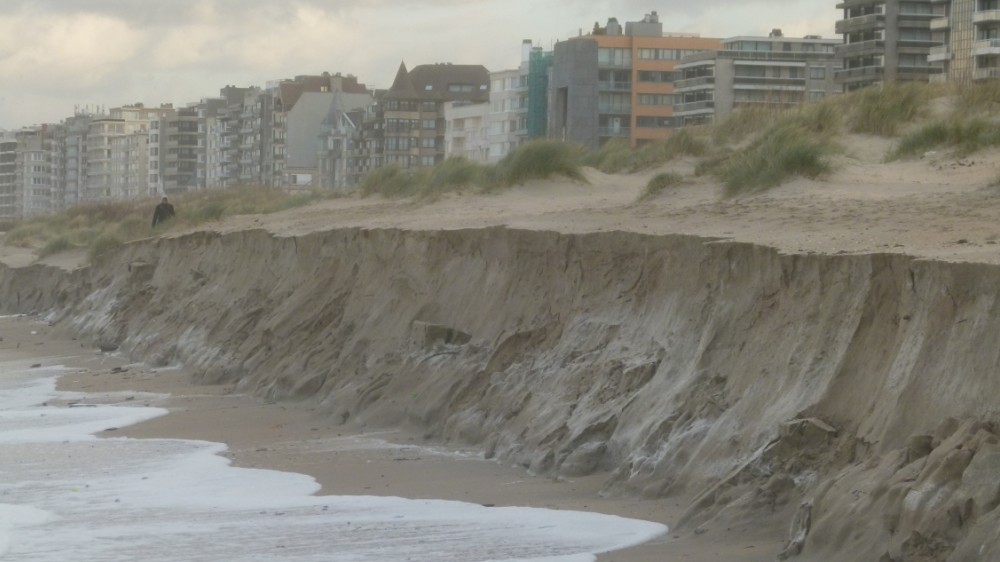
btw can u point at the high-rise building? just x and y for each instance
(9, 209)
(885, 41)
(774, 71)
(968, 37)
(618, 82)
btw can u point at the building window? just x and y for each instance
(428, 124)
(817, 73)
(428, 142)
(666, 54)
(658, 77)
(607, 56)
(656, 99)
(460, 88)
(650, 122)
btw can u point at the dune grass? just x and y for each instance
(660, 183)
(964, 136)
(538, 159)
(883, 110)
(99, 227)
(617, 156)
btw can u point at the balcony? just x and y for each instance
(858, 73)
(701, 106)
(862, 23)
(614, 132)
(986, 16)
(990, 73)
(986, 47)
(939, 54)
(861, 48)
(916, 72)
(940, 23)
(614, 108)
(615, 86)
(766, 83)
(691, 83)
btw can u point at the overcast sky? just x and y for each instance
(57, 54)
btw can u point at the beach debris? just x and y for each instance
(80, 405)
(119, 370)
(36, 365)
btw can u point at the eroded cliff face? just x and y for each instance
(858, 393)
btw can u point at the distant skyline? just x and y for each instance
(57, 54)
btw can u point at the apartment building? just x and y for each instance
(335, 139)
(885, 40)
(73, 144)
(773, 70)
(466, 130)
(174, 145)
(35, 171)
(9, 208)
(618, 82)
(967, 33)
(406, 125)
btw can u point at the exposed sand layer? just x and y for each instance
(817, 363)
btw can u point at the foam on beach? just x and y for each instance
(64, 492)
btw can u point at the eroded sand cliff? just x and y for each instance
(856, 393)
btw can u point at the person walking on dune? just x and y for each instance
(163, 212)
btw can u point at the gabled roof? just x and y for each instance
(435, 82)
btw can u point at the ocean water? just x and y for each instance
(67, 495)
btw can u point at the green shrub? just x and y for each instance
(660, 182)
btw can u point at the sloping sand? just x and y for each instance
(811, 368)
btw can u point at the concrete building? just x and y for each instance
(9, 209)
(334, 150)
(73, 143)
(406, 125)
(618, 83)
(35, 171)
(118, 152)
(173, 152)
(466, 130)
(885, 41)
(284, 97)
(773, 70)
(507, 122)
(967, 33)
(305, 126)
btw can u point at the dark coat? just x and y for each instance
(162, 212)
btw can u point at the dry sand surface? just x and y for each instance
(936, 207)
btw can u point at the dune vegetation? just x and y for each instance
(753, 149)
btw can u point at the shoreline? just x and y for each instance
(349, 460)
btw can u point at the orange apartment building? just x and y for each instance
(618, 83)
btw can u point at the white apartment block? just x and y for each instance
(507, 122)
(465, 130)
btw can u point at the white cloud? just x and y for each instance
(55, 54)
